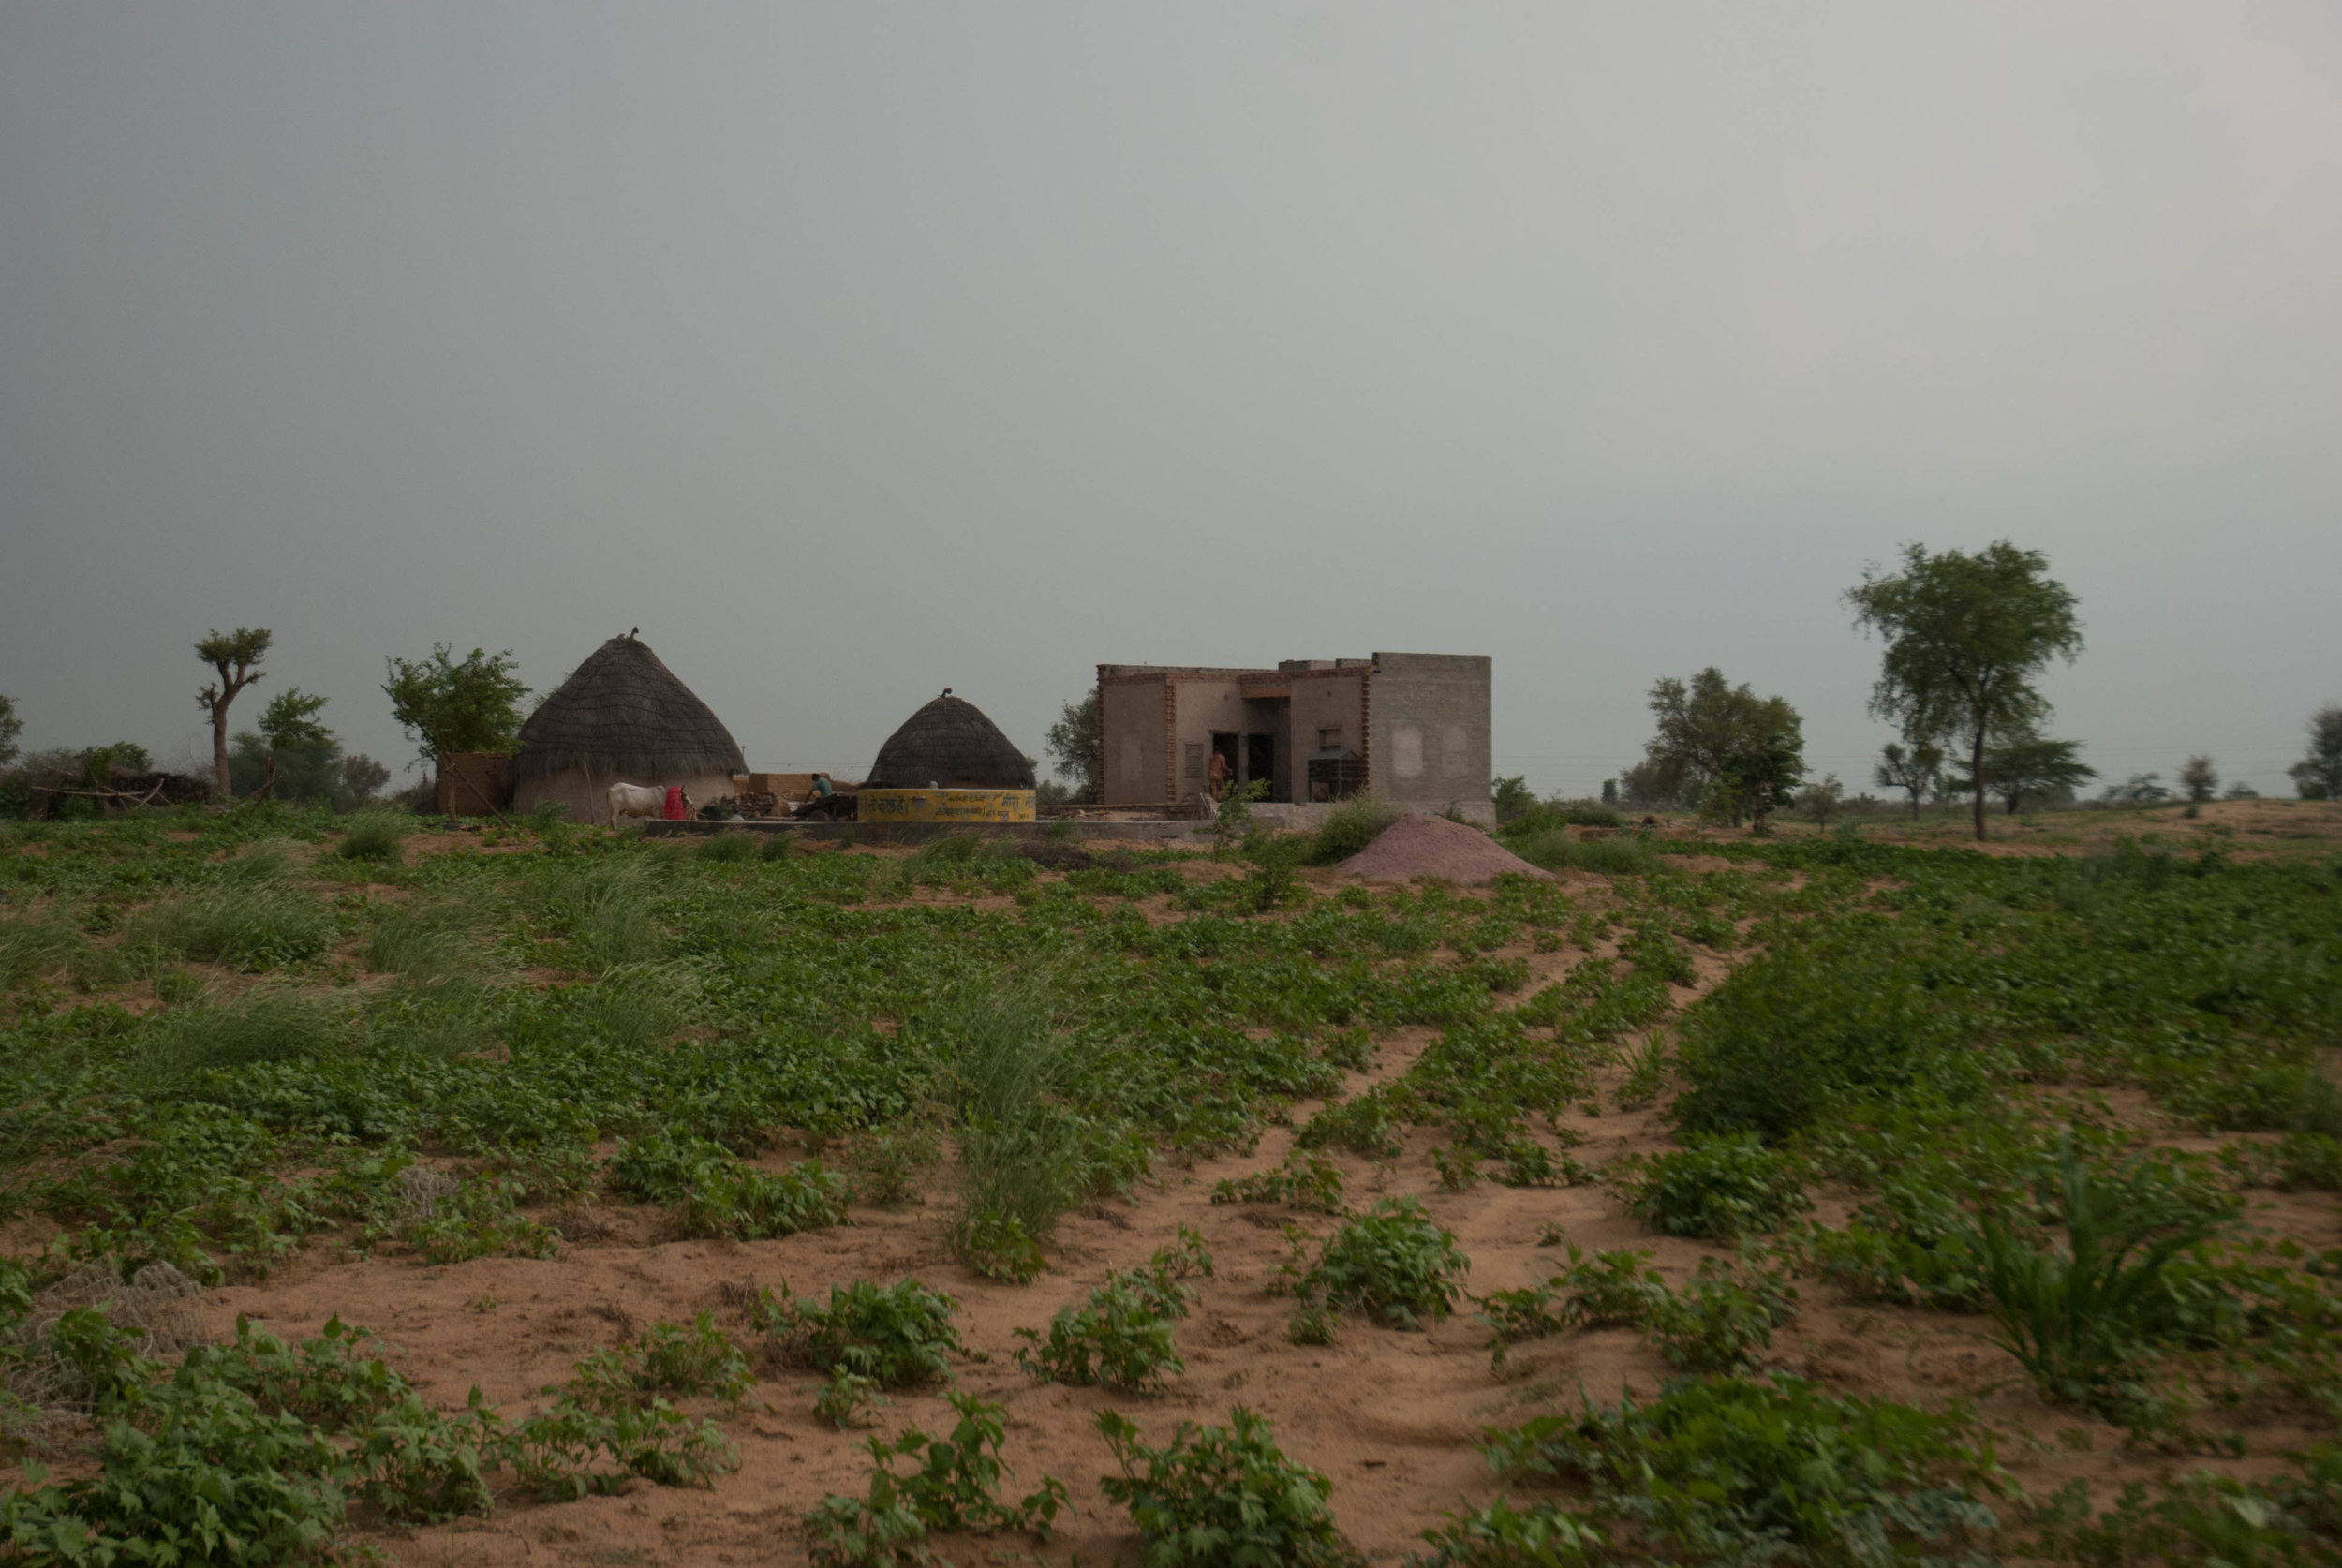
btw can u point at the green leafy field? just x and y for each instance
(2045, 1094)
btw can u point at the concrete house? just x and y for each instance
(1412, 728)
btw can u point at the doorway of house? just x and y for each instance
(1260, 762)
(1224, 742)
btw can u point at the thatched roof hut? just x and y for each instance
(622, 717)
(949, 744)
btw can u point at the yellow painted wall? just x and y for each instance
(944, 806)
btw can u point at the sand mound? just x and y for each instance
(1420, 846)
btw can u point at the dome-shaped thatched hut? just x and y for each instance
(949, 744)
(622, 718)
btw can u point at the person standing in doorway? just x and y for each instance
(1215, 775)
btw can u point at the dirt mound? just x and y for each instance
(1420, 846)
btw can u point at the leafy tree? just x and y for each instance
(1514, 798)
(2240, 790)
(361, 777)
(2319, 775)
(10, 727)
(2199, 778)
(1824, 800)
(236, 654)
(1652, 783)
(1966, 635)
(1077, 747)
(446, 705)
(2025, 763)
(1738, 753)
(1609, 792)
(1916, 770)
(290, 721)
(2139, 789)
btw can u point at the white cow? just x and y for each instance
(640, 800)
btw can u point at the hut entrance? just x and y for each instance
(1260, 762)
(1228, 745)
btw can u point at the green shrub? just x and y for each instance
(894, 1335)
(1392, 1262)
(1349, 827)
(1719, 1189)
(1819, 1015)
(2218, 1521)
(1725, 1469)
(955, 1488)
(379, 835)
(1220, 1497)
(2307, 1159)
(419, 1464)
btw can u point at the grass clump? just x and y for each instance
(1720, 1188)
(251, 923)
(1221, 1497)
(1023, 1159)
(374, 835)
(269, 1024)
(1727, 1470)
(729, 849)
(954, 1488)
(1349, 827)
(1393, 1262)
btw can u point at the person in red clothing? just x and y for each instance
(1215, 775)
(677, 808)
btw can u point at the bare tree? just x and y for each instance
(236, 654)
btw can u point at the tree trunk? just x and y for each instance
(1977, 762)
(219, 752)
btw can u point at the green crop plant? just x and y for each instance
(1393, 1262)
(1727, 1470)
(1723, 1318)
(2073, 1317)
(1220, 1497)
(1542, 1535)
(729, 849)
(665, 1358)
(1719, 1189)
(954, 1488)
(894, 1336)
(1304, 1180)
(1119, 1336)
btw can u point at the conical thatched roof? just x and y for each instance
(951, 744)
(623, 714)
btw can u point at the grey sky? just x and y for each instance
(858, 349)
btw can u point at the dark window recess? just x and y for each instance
(1260, 761)
(1337, 778)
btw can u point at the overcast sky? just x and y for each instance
(855, 350)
